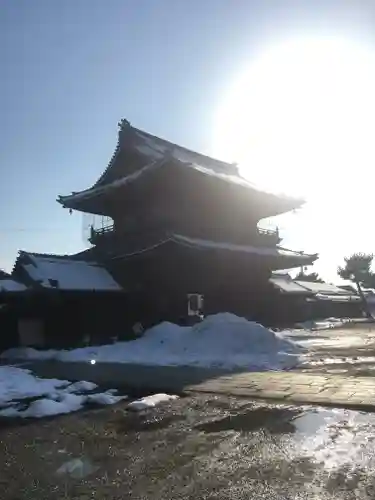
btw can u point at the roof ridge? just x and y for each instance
(188, 150)
(64, 257)
(121, 124)
(39, 254)
(124, 126)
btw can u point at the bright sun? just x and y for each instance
(301, 119)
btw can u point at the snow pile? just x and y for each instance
(18, 385)
(150, 401)
(222, 340)
(27, 353)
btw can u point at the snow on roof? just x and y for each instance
(4, 275)
(338, 298)
(322, 291)
(158, 161)
(67, 274)
(127, 179)
(255, 250)
(10, 285)
(288, 285)
(322, 288)
(158, 148)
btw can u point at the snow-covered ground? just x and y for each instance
(222, 340)
(18, 385)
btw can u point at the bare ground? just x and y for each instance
(148, 455)
(204, 447)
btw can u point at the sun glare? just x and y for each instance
(300, 119)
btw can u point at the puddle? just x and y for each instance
(274, 420)
(308, 422)
(139, 423)
(332, 440)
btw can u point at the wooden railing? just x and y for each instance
(268, 231)
(265, 237)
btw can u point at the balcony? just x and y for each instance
(100, 233)
(267, 237)
(261, 237)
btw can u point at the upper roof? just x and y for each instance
(138, 153)
(156, 148)
(64, 273)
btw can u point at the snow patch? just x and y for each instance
(18, 383)
(56, 396)
(77, 468)
(323, 324)
(48, 407)
(150, 401)
(104, 398)
(81, 386)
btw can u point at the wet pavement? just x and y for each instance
(345, 350)
(212, 447)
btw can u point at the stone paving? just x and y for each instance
(289, 387)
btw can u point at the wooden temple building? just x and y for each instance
(174, 222)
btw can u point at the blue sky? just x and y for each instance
(71, 69)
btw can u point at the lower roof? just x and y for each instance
(322, 288)
(64, 273)
(285, 258)
(321, 291)
(289, 286)
(11, 285)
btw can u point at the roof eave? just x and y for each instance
(80, 200)
(291, 262)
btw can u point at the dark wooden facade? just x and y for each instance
(68, 319)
